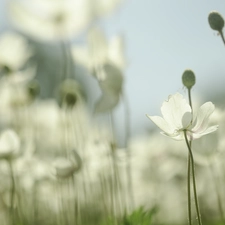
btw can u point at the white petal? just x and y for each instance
(113, 79)
(162, 124)
(174, 110)
(108, 101)
(202, 119)
(9, 143)
(207, 131)
(186, 119)
(177, 136)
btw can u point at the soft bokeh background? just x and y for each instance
(46, 141)
(162, 39)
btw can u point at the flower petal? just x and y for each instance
(162, 124)
(178, 136)
(207, 131)
(201, 121)
(174, 110)
(186, 119)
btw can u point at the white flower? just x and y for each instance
(111, 87)
(15, 51)
(106, 60)
(58, 19)
(64, 168)
(178, 117)
(99, 51)
(50, 19)
(103, 7)
(9, 144)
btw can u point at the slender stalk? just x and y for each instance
(189, 189)
(189, 169)
(68, 63)
(66, 67)
(189, 98)
(12, 191)
(128, 166)
(218, 194)
(222, 36)
(13, 187)
(193, 177)
(116, 177)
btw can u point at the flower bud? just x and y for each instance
(216, 21)
(70, 93)
(63, 168)
(5, 70)
(188, 79)
(33, 89)
(70, 99)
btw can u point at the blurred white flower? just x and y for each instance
(31, 170)
(48, 19)
(9, 144)
(106, 61)
(14, 91)
(178, 117)
(116, 51)
(19, 78)
(64, 168)
(150, 178)
(97, 158)
(15, 51)
(70, 93)
(57, 19)
(100, 51)
(103, 7)
(111, 87)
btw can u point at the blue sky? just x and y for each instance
(163, 38)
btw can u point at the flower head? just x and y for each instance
(63, 168)
(50, 20)
(9, 144)
(188, 79)
(216, 21)
(15, 52)
(58, 19)
(178, 117)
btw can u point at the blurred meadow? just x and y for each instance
(77, 78)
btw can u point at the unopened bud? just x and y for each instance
(70, 99)
(70, 93)
(216, 21)
(33, 89)
(5, 70)
(188, 79)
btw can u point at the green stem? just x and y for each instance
(189, 97)
(222, 36)
(116, 177)
(68, 64)
(189, 169)
(12, 191)
(218, 195)
(66, 67)
(128, 166)
(189, 189)
(193, 177)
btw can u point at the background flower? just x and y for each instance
(9, 144)
(15, 51)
